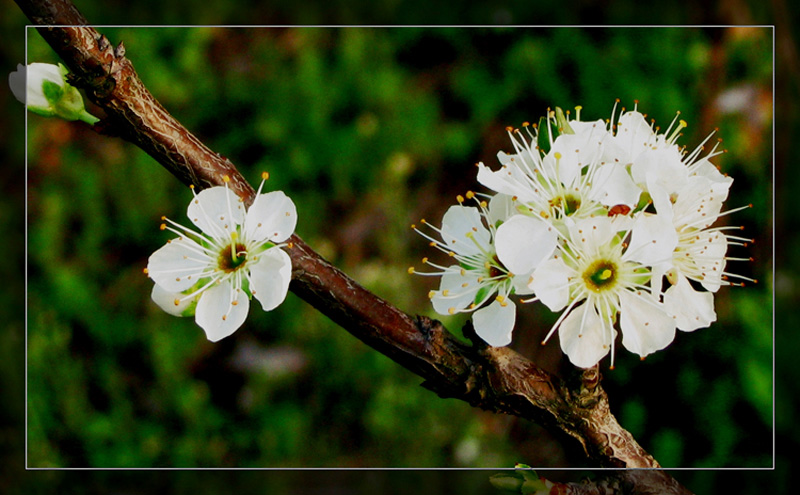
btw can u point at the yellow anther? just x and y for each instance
(445, 293)
(177, 302)
(146, 271)
(470, 194)
(425, 259)
(431, 294)
(460, 199)
(452, 311)
(234, 303)
(410, 270)
(226, 178)
(483, 204)
(265, 175)
(163, 226)
(557, 155)
(290, 245)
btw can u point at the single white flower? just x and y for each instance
(478, 281)
(596, 278)
(235, 255)
(701, 252)
(44, 89)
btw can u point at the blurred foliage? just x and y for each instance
(367, 130)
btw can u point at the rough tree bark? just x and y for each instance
(495, 379)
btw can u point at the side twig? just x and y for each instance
(496, 379)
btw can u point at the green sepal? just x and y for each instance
(543, 136)
(644, 200)
(507, 482)
(563, 123)
(482, 292)
(52, 91)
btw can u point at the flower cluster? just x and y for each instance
(213, 274)
(609, 223)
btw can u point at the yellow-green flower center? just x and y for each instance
(565, 205)
(600, 275)
(232, 257)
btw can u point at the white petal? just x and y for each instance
(459, 222)
(711, 258)
(583, 336)
(633, 134)
(592, 233)
(550, 283)
(166, 301)
(272, 216)
(523, 242)
(216, 211)
(510, 180)
(662, 165)
(700, 202)
(456, 291)
(17, 80)
(645, 327)
(216, 312)
(521, 284)
(613, 185)
(495, 322)
(692, 309)
(704, 168)
(270, 275)
(177, 265)
(501, 208)
(653, 239)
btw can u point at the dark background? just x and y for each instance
(368, 130)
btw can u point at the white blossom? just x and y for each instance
(479, 281)
(597, 278)
(236, 254)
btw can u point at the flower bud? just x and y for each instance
(44, 89)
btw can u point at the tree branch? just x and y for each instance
(496, 379)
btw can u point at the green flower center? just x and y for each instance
(565, 205)
(232, 257)
(600, 275)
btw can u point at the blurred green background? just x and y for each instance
(368, 130)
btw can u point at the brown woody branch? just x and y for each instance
(496, 379)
